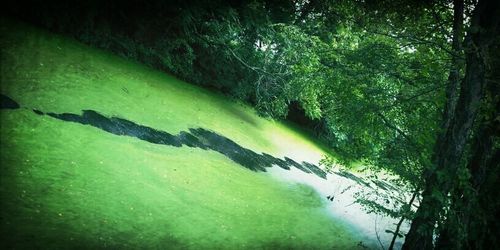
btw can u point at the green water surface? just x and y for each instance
(68, 185)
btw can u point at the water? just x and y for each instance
(122, 156)
(344, 207)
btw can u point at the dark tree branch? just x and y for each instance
(403, 218)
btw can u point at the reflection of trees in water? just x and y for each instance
(195, 137)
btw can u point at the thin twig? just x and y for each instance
(376, 233)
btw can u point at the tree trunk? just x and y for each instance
(445, 238)
(450, 147)
(456, 64)
(464, 205)
(484, 227)
(474, 204)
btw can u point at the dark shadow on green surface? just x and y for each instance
(196, 138)
(7, 103)
(384, 185)
(353, 177)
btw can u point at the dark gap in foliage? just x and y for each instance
(318, 127)
(298, 115)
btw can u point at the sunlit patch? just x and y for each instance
(338, 190)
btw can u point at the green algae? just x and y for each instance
(66, 185)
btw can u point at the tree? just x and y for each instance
(450, 147)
